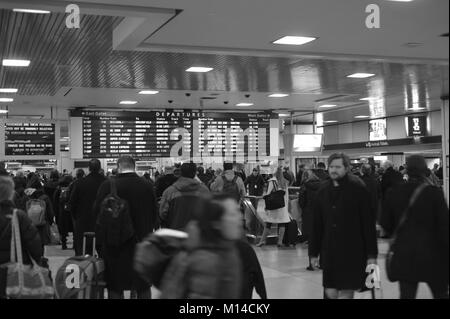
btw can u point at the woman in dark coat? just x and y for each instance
(62, 213)
(344, 233)
(31, 242)
(422, 245)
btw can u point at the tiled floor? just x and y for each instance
(285, 273)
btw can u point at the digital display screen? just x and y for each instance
(187, 134)
(417, 126)
(307, 142)
(29, 138)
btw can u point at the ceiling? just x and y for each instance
(122, 47)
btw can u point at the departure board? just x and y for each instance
(187, 134)
(29, 138)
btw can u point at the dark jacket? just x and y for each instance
(44, 231)
(206, 271)
(81, 203)
(255, 185)
(422, 246)
(307, 196)
(252, 275)
(50, 188)
(390, 178)
(180, 201)
(163, 182)
(344, 233)
(141, 199)
(322, 174)
(373, 188)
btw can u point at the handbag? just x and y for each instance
(391, 268)
(275, 200)
(25, 281)
(55, 237)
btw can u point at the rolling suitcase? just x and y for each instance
(81, 277)
(291, 233)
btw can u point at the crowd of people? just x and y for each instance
(341, 208)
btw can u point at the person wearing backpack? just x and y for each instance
(180, 200)
(421, 249)
(31, 241)
(39, 209)
(127, 213)
(81, 204)
(229, 183)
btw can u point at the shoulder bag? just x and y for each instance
(275, 200)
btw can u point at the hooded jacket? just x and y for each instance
(188, 189)
(204, 271)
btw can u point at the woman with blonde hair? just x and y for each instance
(278, 216)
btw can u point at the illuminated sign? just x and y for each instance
(377, 130)
(417, 126)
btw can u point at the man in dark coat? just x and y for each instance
(81, 203)
(321, 172)
(344, 233)
(255, 184)
(141, 200)
(422, 244)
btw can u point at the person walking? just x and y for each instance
(343, 233)
(141, 208)
(277, 216)
(420, 222)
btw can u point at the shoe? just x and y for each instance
(260, 244)
(310, 268)
(279, 245)
(64, 246)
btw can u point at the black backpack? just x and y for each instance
(231, 188)
(182, 210)
(114, 221)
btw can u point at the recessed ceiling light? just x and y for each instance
(3, 111)
(148, 92)
(331, 121)
(327, 105)
(283, 115)
(5, 90)
(362, 116)
(360, 75)
(292, 40)
(368, 99)
(31, 11)
(11, 62)
(6, 99)
(198, 69)
(278, 95)
(244, 104)
(128, 102)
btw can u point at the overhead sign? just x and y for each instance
(29, 139)
(377, 130)
(417, 126)
(396, 142)
(188, 134)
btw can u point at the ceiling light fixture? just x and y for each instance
(3, 111)
(331, 121)
(31, 11)
(6, 99)
(283, 115)
(200, 69)
(327, 105)
(148, 92)
(360, 75)
(244, 104)
(294, 40)
(278, 95)
(362, 116)
(11, 62)
(128, 102)
(368, 99)
(5, 90)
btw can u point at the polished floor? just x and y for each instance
(285, 273)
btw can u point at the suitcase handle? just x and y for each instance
(91, 235)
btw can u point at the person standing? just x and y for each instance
(390, 178)
(230, 183)
(81, 204)
(372, 186)
(277, 216)
(164, 181)
(141, 201)
(422, 241)
(343, 234)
